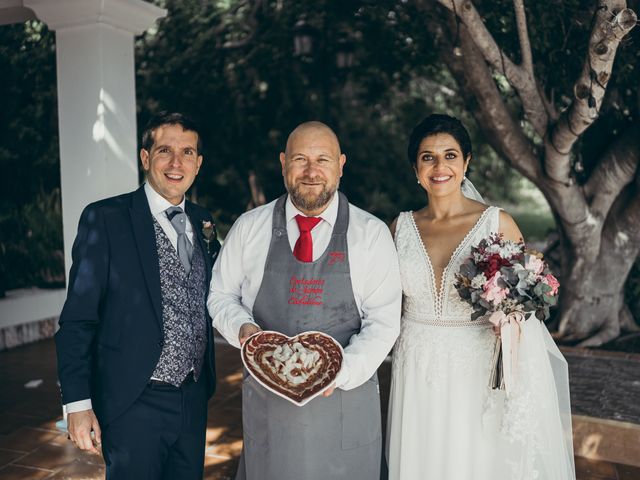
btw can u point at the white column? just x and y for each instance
(96, 98)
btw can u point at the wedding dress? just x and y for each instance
(444, 421)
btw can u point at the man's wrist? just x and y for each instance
(241, 323)
(79, 406)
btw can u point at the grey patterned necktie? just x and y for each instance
(178, 219)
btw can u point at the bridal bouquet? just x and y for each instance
(505, 280)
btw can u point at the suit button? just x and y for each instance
(161, 343)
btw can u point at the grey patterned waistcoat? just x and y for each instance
(183, 312)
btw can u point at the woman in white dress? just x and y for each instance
(444, 422)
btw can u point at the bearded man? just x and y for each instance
(311, 235)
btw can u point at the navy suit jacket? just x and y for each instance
(111, 332)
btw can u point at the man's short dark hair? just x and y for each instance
(169, 118)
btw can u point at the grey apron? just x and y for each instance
(336, 437)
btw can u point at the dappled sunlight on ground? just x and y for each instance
(32, 447)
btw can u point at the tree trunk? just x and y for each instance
(599, 222)
(593, 305)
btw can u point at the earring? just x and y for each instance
(418, 182)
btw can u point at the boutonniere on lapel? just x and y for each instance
(208, 233)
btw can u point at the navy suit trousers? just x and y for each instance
(161, 436)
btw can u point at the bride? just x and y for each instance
(445, 423)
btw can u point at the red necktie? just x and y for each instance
(303, 249)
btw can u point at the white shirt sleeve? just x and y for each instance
(225, 292)
(381, 307)
(78, 406)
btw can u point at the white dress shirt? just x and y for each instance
(375, 278)
(158, 205)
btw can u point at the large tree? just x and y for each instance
(503, 61)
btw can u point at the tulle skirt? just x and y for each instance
(445, 423)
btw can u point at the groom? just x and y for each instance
(311, 234)
(135, 344)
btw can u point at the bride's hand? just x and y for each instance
(329, 391)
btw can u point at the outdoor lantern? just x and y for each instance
(344, 53)
(303, 38)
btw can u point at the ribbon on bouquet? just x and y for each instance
(505, 356)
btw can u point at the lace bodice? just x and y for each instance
(421, 302)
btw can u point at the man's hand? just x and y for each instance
(329, 391)
(80, 425)
(246, 330)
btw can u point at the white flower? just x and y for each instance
(478, 281)
(494, 248)
(478, 257)
(509, 249)
(532, 278)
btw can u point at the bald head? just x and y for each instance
(312, 166)
(312, 132)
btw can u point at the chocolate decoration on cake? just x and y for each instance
(297, 368)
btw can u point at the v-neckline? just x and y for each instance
(439, 289)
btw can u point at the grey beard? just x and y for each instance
(311, 204)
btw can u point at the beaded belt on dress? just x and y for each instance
(416, 317)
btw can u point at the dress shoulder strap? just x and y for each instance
(492, 221)
(402, 223)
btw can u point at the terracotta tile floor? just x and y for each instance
(31, 447)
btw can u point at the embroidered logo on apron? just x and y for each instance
(336, 257)
(306, 291)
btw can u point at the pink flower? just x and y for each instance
(552, 282)
(534, 264)
(493, 292)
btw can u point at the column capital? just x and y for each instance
(13, 11)
(133, 16)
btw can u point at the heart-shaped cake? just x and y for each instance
(296, 368)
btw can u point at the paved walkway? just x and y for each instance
(31, 447)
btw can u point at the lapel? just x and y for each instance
(142, 224)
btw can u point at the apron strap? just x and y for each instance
(279, 223)
(342, 221)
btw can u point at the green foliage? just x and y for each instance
(249, 98)
(234, 69)
(535, 225)
(31, 249)
(30, 219)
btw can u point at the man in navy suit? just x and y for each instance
(135, 345)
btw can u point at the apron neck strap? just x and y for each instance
(342, 221)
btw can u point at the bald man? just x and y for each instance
(311, 236)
